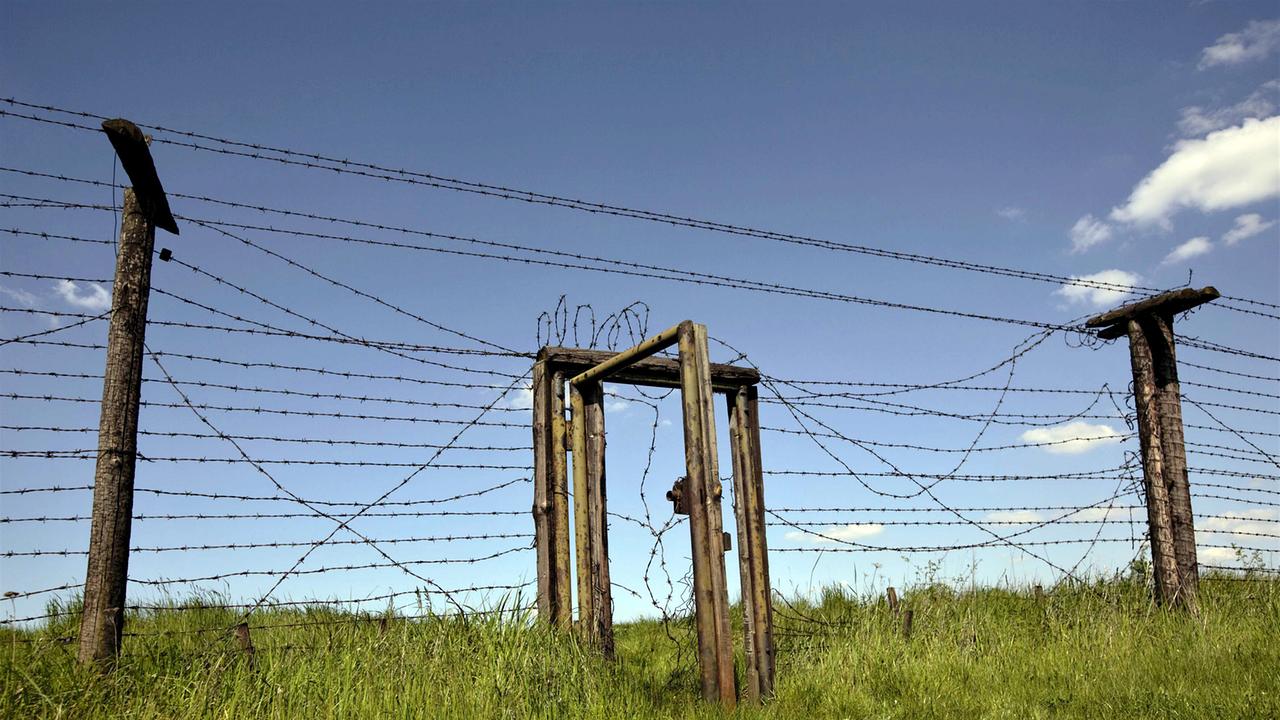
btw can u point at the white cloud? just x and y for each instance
(1104, 513)
(1255, 42)
(1255, 521)
(1011, 213)
(520, 398)
(1087, 232)
(22, 297)
(615, 405)
(95, 297)
(1246, 227)
(1215, 554)
(1072, 438)
(1226, 169)
(1194, 247)
(1197, 120)
(853, 531)
(1083, 288)
(1014, 516)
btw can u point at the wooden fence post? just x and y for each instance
(543, 531)
(598, 518)
(892, 595)
(1159, 329)
(711, 596)
(1149, 325)
(246, 644)
(753, 554)
(107, 571)
(551, 497)
(1164, 564)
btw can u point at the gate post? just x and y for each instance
(551, 497)
(706, 525)
(753, 554)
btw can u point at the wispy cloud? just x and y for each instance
(1012, 214)
(1226, 169)
(1246, 227)
(1198, 120)
(1088, 232)
(835, 533)
(1194, 247)
(94, 296)
(1072, 438)
(1118, 285)
(1102, 513)
(1014, 516)
(1255, 42)
(22, 297)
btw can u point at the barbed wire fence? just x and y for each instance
(281, 455)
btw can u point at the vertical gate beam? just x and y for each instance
(760, 549)
(543, 530)
(753, 553)
(562, 580)
(550, 497)
(741, 510)
(715, 643)
(598, 519)
(581, 527)
(590, 509)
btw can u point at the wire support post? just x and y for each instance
(106, 575)
(1158, 397)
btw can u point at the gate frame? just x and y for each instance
(584, 372)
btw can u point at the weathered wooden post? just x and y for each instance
(706, 523)
(1157, 396)
(246, 644)
(551, 497)
(892, 596)
(107, 573)
(753, 552)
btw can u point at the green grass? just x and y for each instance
(1087, 651)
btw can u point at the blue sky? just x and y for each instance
(1135, 143)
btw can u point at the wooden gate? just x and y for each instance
(583, 373)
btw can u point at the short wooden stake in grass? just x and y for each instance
(1039, 592)
(892, 596)
(1157, 395)
(107, 572)
(246, 644)
(908, 617)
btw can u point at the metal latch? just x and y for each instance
(679, 496)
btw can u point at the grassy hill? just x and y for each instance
(1097, 650)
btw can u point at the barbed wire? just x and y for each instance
(372, 171)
